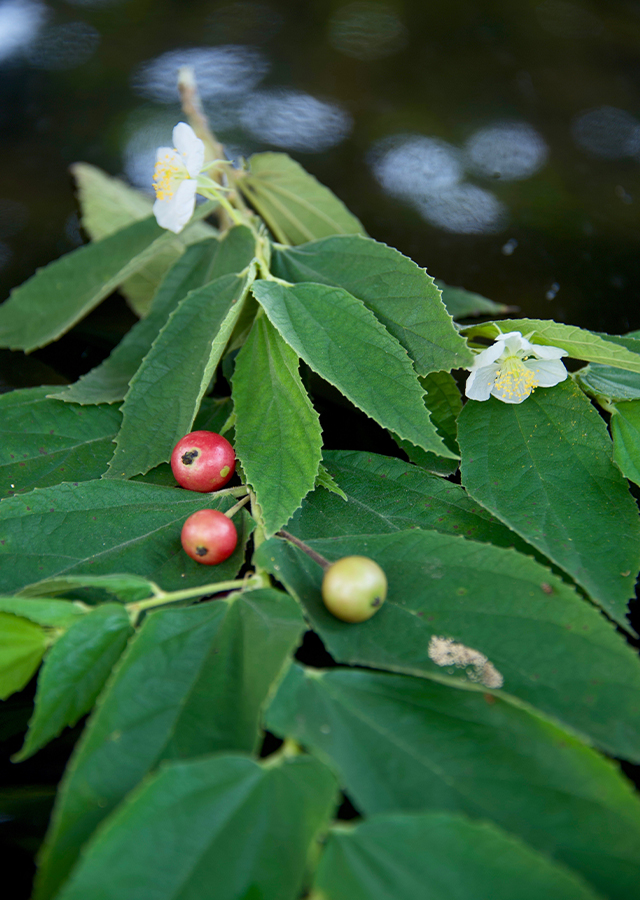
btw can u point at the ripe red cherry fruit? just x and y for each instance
(203, 461)
(209, 537)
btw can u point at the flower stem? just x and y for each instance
(230, 513)
(162, 598)
(316, 557)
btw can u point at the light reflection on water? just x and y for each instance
(607, 132)
(434, 104)
(20, 21)
(295, 120)
(509, 152)
(464, 209)
(227, 70)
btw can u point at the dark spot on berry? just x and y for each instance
(188, 457)
(376, 602)
(201, 551)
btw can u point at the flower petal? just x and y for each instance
(174, 214)
(514, 344)
(547, 371)
(190, 147)
(480, 382)
(487, 357)
(542, 352)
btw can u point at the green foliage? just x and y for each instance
(22, 646)
(295, 206)
(185, 824)
(400, 294)
(437, 856)
(108, 205)
(165, 393)
(171, 698)
(44, 442)
(625, 431)
(408, 744)
(105, 527)
(480, 615)
(604, 349)
(74, 673)
(341, 340)
(56, 297)
(463, 304)
(278, 437)
(555, 454)
(467, 722)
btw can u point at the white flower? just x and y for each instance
(512, 368)
(175, 179)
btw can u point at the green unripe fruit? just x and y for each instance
(354, 588)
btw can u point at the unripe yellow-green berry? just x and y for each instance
(354, 588)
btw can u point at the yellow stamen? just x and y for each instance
(514, 380)
(167, 176)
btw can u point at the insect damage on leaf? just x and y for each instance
(445, 651)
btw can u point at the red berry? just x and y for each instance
(203, 461)
(209, 537)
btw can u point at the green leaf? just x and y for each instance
(22, 646)
(386, 495)
(127, 588)
(438, 856)
(325, 480)
(612, 384)
(38, 608)
(402, 744)
(74, 673)
(104, 527)
(295, 206)
(462, 304)
(544, 467)
(193, 681)
(201, 263)
(44, 442)
(59, 295)
(400, 294)
(166, 391)
(341, 340)
(278, 438)
(224, 827)
(625, 431)
(484, 617)
(606, 349)
(107, 205)
(442, 399)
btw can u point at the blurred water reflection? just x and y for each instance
(295, 120)
(367, 31)
(607, 132)
(410, 166)
(427, 173)
(20, 21)
(464, 209)
(63, 46)
(230, 69)
(509, 151)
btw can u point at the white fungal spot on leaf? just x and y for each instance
(447, 652)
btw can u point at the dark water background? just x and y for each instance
(497, 143)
